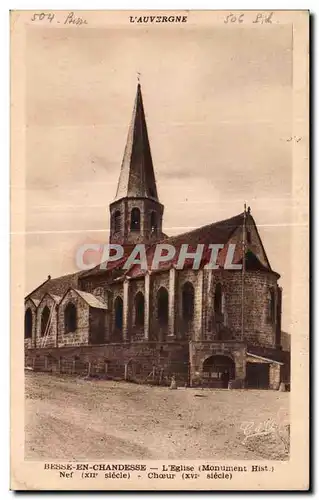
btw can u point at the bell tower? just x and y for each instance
(136, 213)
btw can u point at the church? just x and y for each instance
(207, 327)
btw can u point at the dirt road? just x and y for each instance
(76, 419)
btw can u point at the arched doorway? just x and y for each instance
(218, 371)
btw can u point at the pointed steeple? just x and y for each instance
(137, 179)
(136, 215)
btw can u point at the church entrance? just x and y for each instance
(218, 371)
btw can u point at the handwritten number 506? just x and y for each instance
(232, 18)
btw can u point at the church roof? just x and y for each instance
(57, 286)
(137, 177)
(35, 302)
(219, 232)
(91, 300)
(55, 298)
(215, 233)
(113, 268)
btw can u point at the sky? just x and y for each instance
(218, 106)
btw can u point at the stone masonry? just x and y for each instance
(213, 327)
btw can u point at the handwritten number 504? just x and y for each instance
(42, 16)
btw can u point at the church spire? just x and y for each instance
(136, 213)
(137, 179)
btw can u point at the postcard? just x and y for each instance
(159, 250)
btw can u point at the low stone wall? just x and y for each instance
(144, 362)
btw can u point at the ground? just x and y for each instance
(77, 419)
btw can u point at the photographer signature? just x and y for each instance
(269, 426)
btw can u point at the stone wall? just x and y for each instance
(140, 362)
(258, 330)
(203, 326)
(98, 326)
(274, 376)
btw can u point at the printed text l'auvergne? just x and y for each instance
(158, 19)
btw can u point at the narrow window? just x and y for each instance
(271, 313)
(70, 319)
(135, 219)
(153, 222)
(28, 324)
(117, 221)
(45, 320)
(139, 309)
(118, 312)
(162, 306)
(188, 301)
(218, 301)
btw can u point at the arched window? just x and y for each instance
(135, 219)
(117, 221)
(139, 309)
(118, 313)
(28, 324)
(153, 222)
(70, 319)
(271, 313)
(188, 301)
(45, 320)
(218, 300)
(162, 306)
